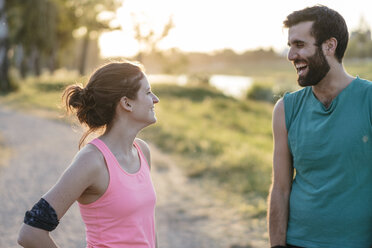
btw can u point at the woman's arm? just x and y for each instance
(32, 237)
(74, 181)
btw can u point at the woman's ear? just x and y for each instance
(125, 103)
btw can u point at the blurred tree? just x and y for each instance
(4, 47)
(94, 17)
(360, 43)
(37, 35)
(148, 40)
(66, 23)
(173, 61)
(43, 37)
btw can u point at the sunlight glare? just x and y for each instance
(210, 25)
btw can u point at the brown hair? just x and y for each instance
(95, 104)
(327, 23)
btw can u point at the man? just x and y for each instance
(323, 136)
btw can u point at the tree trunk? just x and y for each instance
(35, 61)
(84, 54)
(23, 69)
(52, 61)
(4, 47)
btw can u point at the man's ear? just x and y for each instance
(125, 103)
(329, 46)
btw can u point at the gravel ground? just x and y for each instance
(42, 148)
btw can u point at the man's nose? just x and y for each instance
(292, 54)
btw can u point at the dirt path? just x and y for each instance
(187, 217)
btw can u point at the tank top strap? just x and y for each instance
(142, 156)
(109, 157)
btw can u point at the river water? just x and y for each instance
(235, 86)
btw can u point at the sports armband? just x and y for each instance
(42, 216)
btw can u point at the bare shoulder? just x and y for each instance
(90, 154)
(279, 115)
(89, 159)
(145, 149)
(82, 173)
(279, 106)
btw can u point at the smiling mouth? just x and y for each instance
(301, 68)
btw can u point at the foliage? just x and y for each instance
(251, 63)
(362, 68)
(42, 38)
(270, 90)
(223, 141)
(42, 92)
(212, 136)
(199, 79)
(4, 46)
(360, 43)
(148, 39)
(261, 91)
(218, 137)
(88, 13)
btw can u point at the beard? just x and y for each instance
(318, 68)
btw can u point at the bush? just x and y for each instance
(199, 79)
(270, 92)
(261, 91)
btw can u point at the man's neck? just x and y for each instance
(332, 84)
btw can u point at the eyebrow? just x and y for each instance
(294, 42)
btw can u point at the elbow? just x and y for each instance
(23, 238)
(26, 237)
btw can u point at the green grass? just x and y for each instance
(215, 139)
(222, 139)
(361, 68)
(44, 92)
(223, 143)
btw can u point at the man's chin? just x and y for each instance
(303, 82)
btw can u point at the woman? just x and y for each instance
(110, 176)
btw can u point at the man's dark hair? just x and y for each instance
(327, 23)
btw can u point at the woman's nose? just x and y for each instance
(155, 99)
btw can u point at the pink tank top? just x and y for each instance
(124, 215)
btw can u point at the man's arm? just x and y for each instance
(282, 179)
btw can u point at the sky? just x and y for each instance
(212, 25)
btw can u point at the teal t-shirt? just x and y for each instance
(331, 196)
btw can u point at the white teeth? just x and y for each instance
(298, 66)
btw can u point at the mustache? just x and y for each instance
(299, 61)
